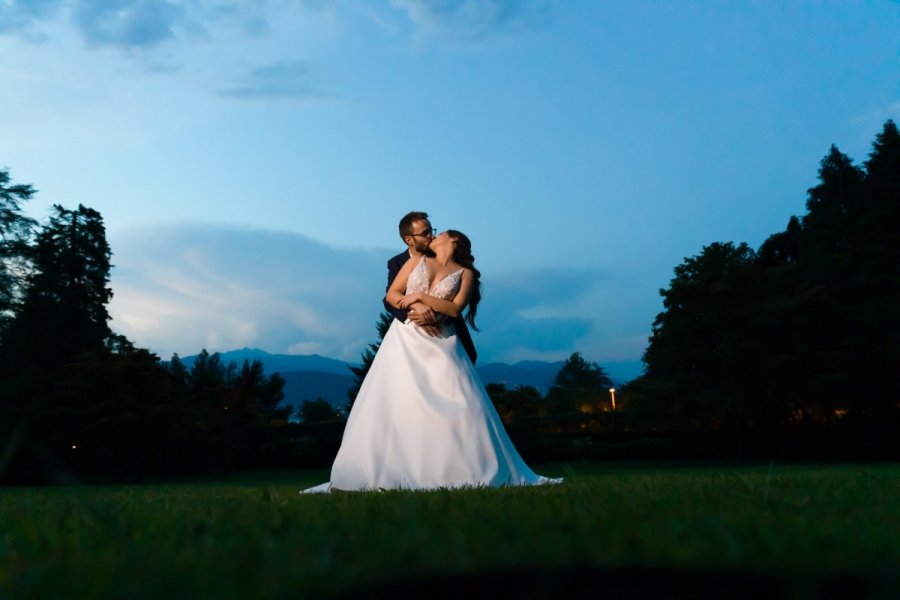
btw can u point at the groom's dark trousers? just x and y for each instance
(462, 332)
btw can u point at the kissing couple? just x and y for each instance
(422, 418)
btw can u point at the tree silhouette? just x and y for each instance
(517, 406)
(63, 312)
(579, 394)
(802, 335)
(577, 373)
(16, 231)
(782, 248)
(691, 352)
(318, 411)
(78, 400)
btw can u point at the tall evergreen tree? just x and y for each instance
(15, 233)
(178, 374)
(207, 375)
(849, 249)
(882, 176)
(875, 315)
(63, 311)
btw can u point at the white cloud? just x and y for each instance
(184, 288)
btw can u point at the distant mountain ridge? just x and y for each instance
(281, 363)
(311, 376)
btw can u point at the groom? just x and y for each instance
(417, 233)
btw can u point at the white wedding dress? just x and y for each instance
(422, 418)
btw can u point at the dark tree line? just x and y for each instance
(79, 402)
(797, 341)
(578, 400)
(563, 423)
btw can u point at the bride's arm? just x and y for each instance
(451, 308)
(398, 287)
(420, 314)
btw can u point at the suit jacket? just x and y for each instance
(462, 331)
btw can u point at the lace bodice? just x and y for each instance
(445, 288)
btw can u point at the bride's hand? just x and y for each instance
(426, 315)
(409, 299)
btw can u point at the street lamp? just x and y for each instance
(612, 394)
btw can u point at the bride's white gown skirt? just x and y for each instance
(423, 420)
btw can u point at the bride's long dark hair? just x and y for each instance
(463, 256)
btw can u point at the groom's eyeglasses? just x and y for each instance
(427, 233)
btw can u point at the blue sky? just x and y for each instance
(251, 159)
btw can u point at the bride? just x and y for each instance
(422, 418)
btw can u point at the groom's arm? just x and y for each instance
(394, 266)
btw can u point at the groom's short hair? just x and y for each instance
(410, 218)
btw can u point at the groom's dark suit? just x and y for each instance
(462, 332)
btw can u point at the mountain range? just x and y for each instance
(311, 376)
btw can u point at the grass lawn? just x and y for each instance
(629, 530)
